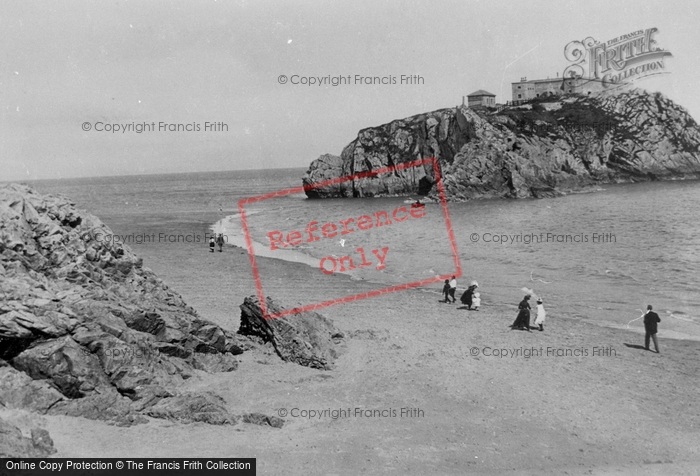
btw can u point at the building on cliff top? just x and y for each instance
(480, 98)
(525, 90)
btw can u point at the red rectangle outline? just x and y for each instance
(370, 173)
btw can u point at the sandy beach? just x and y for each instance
(357, 147)
(588, 400)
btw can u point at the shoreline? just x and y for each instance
(220, 226)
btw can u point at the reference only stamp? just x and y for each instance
(320, 230)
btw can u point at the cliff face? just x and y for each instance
(539, 149)
(86, 330)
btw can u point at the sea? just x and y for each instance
(600, 256)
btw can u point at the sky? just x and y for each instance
(74, 65)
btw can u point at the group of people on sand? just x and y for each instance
(469, 298)
(522, 321)
(472, 299)
(218, 241)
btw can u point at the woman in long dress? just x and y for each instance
(468, 295)
(522, 321)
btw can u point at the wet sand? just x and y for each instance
(604, 406)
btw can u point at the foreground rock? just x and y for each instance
(308, 338)
(206, 408)
(14, 445)
(86, 330)
(263, 420)
(540, 149)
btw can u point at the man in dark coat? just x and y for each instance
(651, 319)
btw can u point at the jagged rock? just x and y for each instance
(42, 441)
(189, 408)
(173, 350)
(87, 330)
(14, 445)
(18, 390)
(262, 420)
(213, 362)
(308, 338)
(326, 167)
(144, 321)
(62, 361)
(540, 149)
(103, 404)
(437, 134)
(206, 338)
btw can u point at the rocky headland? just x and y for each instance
(542, 148)
(86, 330)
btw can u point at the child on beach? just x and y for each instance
(446, 290)
(453, 289)
(540, 315)
(476, 301)
(212, 244)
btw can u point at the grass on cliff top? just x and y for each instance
(581, 114)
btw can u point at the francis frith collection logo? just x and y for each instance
(618, 61)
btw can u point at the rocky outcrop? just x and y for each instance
(542, 148)
(204, 407)
(87, 330)
(263, 420)
(439, 134)
(306, 338)
(13, 444)
(329, 166)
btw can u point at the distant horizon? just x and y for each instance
(300, 167)
(283, 167)
(20, 181)
(121, 89)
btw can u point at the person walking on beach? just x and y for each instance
(468, 294)
(540, 315)
(446, 290)
(522, 321)
(220, 241)
(453, 289)
(212, 244)
(651, 319)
